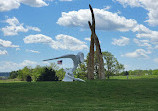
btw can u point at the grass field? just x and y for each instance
(135, 77)
(109, 95)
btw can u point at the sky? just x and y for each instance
(34, 30)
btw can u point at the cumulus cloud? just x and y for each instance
(38, 38)
(62, 41)
(121, 42)
(69, 42)
(65, 0)
(142, 42)
(139, 53)
(4, 52)
(105, 20)
(153, 36)
(34, 3)
(27, 63)
(33, 51)
(17, 49)
(4, 43)
(7, 5)
(87, 39)
(15, 27)
(149, 5)
(156, 60)
(146, 34)
(15, 66)
(156, 47)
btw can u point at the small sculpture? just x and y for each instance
(77, 59)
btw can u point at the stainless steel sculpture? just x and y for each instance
(77, 59)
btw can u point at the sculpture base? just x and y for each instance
(69, 78)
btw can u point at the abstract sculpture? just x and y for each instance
(95, 41)
(77, 59)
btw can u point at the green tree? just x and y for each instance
(60, 73)
(23, 73)
(13, 74)
(112, 66)
(81, 71)
(36, 72)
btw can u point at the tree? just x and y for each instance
(94, 40)
(13, 74)
(23, 73)
(60, 73)
(36, 72)
(112, 66)
(81, 71)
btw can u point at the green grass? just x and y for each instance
(135, 77)
(109, 95)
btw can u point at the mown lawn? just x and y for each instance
(109, 95)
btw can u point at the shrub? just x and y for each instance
(48, 75)
(28, 78)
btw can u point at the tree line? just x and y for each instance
(53, 73)
(39, 73)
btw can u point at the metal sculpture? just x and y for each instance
(77, 59)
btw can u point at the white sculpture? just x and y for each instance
(77, 59)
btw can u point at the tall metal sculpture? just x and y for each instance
(95, 40)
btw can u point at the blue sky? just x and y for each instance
(33, 30)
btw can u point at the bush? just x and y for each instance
(48, 75)
(28, 78)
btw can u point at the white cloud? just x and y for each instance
(34, 3)
(27, 63)
(4, 43)
(132, 3)
(38, 38)
(149, 5)
(17, 49)
(7, 5)
(142, 43)
(105, 20)
(139, 53)
(15, 27)
(33, 28)
(15, 66)
(153, 36)
(65, 0)
(87, 39)
(141, 29)
(156, 47)
(33, 51)
(156, 60)
(107, 7)
(145, 33)
(4, 52)
(62, 41)
(121, 42)
(69, 42)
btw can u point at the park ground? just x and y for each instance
(115, 94)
